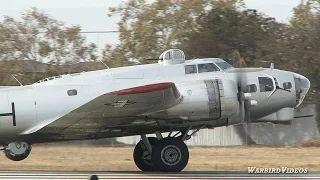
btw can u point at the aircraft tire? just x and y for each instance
(140, 151)
(18, 151)
(93, 177)
(170, 155)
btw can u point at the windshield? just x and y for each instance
(224, 65)
(302, 85)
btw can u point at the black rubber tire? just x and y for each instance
(93, 177)
(138, 151)
(18, 157)
(168, 147)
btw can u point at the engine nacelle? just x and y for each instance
(207, 100)
(17, 151)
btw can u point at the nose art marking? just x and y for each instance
(13, 114)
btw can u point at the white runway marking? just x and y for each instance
(137, 176)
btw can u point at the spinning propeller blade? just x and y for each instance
(244, 98)
(241, 81)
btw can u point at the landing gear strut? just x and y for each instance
(168, 154)
(142, 154)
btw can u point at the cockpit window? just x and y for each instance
(251, 88)
(287, 85)
(224, 65)
(190, 69)
(265, 84)
(208, 67)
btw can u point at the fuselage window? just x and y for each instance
(72, 92)
(224, 65)
(190, 69)
(287, 85)
(276, 82)
(251, 88)
(265, 84)
(208, 67)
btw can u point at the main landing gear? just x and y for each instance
(17, 151)
(168, 154)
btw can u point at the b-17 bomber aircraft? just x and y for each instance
(175, 96)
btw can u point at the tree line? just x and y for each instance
(201, 28)
(216, 28)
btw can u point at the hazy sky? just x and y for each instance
(92, 14)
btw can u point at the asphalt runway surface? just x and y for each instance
(33, 175)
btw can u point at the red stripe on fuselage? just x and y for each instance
(143, 89)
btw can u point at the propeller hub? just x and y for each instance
(247, 96)
(253, 103)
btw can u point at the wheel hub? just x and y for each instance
(18, 148)
(17, 151)
(171, 155)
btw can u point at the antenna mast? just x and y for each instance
(16, 80)
(104, 64)
(99, 32)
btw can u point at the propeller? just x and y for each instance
(244, 98)
(237, 60)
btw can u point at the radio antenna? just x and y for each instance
(16, 80)
(104, 64)
(153, 59)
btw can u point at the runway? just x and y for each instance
(9, 175)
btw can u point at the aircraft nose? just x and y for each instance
(302, 85)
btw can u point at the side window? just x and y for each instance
(190, 69)
(276, 82)
(287, 85)
(72, 92)
(265, 84)
(251, 88)
(209, 67)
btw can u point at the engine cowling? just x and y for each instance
(17, 151)
(208, 100)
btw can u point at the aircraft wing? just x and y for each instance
(123, 106)
(136, 101)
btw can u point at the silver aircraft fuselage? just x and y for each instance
(58, 108)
